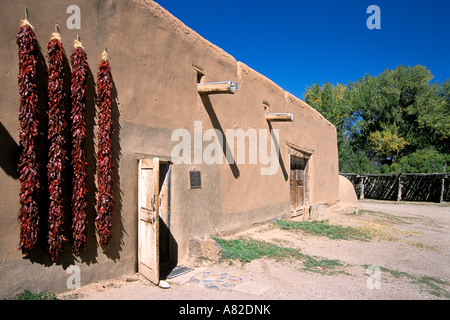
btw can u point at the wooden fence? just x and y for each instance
(430, 187)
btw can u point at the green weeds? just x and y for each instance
(433, 285)
(246, 250)
(28, 295)
(325, 229)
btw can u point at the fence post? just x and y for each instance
(399, 192)
(361, 187)
(441, 198)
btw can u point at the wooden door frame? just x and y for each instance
(306, 154)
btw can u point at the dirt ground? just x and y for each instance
(407, 258)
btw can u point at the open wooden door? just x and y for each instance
(148, 219)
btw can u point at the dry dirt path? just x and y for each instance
(407, 258)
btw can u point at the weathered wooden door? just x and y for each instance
(297, 189)
(297, 178)
(297, 183)
(148, 219)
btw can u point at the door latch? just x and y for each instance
(153, 201)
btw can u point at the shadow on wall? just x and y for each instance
(9, 157)
(280, 157)
(9, 162)
(224, 144)
(216, 125)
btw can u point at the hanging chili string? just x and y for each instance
(28, 116)
(105, 201)
(79, 164)
(57, 152)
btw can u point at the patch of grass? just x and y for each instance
(246, 250)
(433, 285)
(318, 265)
(71, 296)
(28, 295)
(395, 273)
(385, 232)
(379, 224)
(423, 246)
(323, 228)
(379, 231)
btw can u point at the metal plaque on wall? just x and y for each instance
(195, 179)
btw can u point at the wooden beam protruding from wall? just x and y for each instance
(280, 117)
(217, 87)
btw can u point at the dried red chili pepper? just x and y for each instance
(105, 200)
(79, 164)
(28, 116)
(57, 151)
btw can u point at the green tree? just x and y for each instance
(380, 119)
(353, 160)
(426, 160)
(387, 141)
(398, 96)
(433, 117)
(333, 103)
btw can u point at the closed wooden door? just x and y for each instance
(297, 181)
(300, 186)
(297, 189)
(148, 219)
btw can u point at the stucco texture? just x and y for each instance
(152, 55)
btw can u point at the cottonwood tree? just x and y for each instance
(385, 117)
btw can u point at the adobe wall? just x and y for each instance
(152, 56)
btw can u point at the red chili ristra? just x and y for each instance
(105, 201)
(28, 116)
(79, 164)
(57, 152)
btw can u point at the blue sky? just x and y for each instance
(295, 43)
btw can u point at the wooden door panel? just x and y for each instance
(148, 222)
(297, 189)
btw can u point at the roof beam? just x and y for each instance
(280, 117)
(217, 87)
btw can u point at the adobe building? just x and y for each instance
(167, 81)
